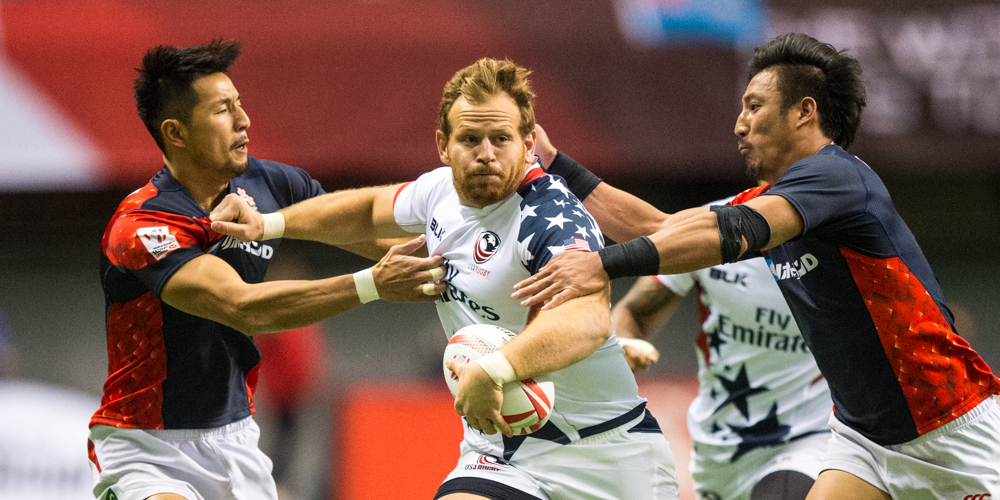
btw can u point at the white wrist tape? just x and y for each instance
(642, 345)
(364, 283)
(274, 226)
(498, 368)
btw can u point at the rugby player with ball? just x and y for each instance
(497, 218)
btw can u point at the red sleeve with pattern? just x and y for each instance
(749, 194)
(154, 245)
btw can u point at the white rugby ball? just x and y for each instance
(526, 403)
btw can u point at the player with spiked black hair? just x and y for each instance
(808, 67)
(913, 413)
(163, 88)
(183, 301)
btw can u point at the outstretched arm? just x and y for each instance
(644, 311)
(554, 340)
(342, 218)
(690, 240)
(210, 288)
(621, 216)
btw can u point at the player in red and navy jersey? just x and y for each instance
(183, 301)
(913, 416)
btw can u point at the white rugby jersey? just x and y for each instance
(487, 251)
(758, 383)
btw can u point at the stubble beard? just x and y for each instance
(487, 193)
(237, 169)
(753, 171)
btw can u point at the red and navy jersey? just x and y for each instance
(168, 369)
(869, 306)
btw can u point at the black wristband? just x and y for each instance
(637, 257)
(579, 180)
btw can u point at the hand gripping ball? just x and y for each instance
(527, 403)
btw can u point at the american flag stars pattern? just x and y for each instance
(552, 222)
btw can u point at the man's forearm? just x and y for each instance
(344, 217)
(561, 337)
(645, 309)
(211, 289)
(622, 216)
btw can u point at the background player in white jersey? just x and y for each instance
(496, 217)
(759, 423)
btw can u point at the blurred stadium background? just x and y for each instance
(644, 92)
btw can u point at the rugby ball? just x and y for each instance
(526, 403)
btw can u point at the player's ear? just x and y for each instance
(442, 145)
(807, 111)
(529, 147)
(173, 132)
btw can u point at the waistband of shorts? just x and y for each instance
(970, 417)
(196, 434)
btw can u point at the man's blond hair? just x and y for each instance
(485, 79)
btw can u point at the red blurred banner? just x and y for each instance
(349, 90)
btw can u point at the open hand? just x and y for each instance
(568, 276)
(400, 277)
(479, 399)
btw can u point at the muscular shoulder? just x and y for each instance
(288, 184)
(553, 221)
(139, 238)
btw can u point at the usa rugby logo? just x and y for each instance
(486, 246)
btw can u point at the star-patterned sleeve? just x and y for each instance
(553, 221)
(152, 245)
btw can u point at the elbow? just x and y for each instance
(246, 318)
(600, 335)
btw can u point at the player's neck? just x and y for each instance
(206, 189)
(804, 148)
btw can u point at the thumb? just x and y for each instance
(410, 246)
(228, 228)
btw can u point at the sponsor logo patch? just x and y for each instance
(795, 269)
(486, 245)
(158, 241)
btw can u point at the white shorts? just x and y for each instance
(725, 480)
(197, 464)
(612, 465)
(960, 459)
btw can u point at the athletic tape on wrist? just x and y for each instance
(640, 344)
(364, 283)
(498, 368)
(637, 257)
(274, 226)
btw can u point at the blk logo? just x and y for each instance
(486, 246)
(723, 276)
